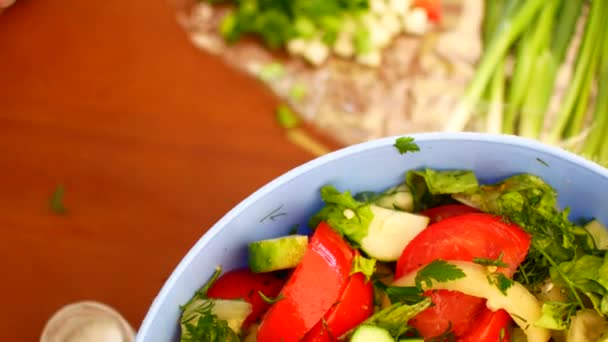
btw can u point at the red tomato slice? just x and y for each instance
(312, 289)
(443, 212)
(461, 237)
(432, 8)
(244, 284)
(449, 306)
(354, 305)
(488, 328)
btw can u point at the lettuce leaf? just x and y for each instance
(428, 186)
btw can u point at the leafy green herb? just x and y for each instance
(432, 188)
(529, 202)
(447, 182)
(337, 210)
(269, 300)
(491, 262)
(56, 201)
(500, 281)
(363, 41)
(395, 317)
(406, 144)
(438, 270)
(402, 294)
(395, 198)
(585, 275)
(512, 194)
(271, 72)
(277, 21)
(556, 315)
(297, 92)
(286, 117)
(202, 292)
(367, 266)
(560, 249)
(203, 325)
(198, 321)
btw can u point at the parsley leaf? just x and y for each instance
(269, 300)
(500, 281)
(438, 270)
(491, 262)
(367, 266)
(344, 214)
(406, 144)
(56, 200)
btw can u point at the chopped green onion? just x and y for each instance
(298, 91)
(287, 118)
(271, 72)
(304, 28)
(362, 41)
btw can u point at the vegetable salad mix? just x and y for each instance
(438, 257)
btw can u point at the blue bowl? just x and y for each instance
(292, 198)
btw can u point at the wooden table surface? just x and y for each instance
(153, 140)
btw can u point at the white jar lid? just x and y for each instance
(87, 321)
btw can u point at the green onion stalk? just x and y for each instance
(595, 146)
(493, 15)
(545, 69)
(571, 115)
(534, 40)
(508, 32)
(497, 100)
(578, 115)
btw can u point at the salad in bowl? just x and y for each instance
(436, 237)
